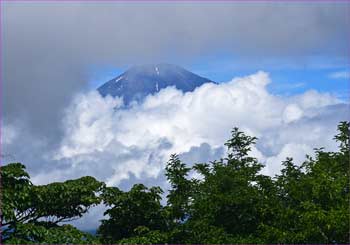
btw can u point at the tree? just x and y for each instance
(143, 235)
(35, 233)
(15, 194)
(313, 198)
(227, 198)
(25, 205)
(139, 207)
(180, 192)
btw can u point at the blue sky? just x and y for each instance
(288, 76)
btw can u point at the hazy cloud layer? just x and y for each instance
(49, 49)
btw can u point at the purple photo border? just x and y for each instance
(135, 1)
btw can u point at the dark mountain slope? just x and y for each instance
(140, 81)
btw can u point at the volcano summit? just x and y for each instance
(140, 81)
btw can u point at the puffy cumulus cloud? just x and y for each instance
(90, 117)
(115, 143)
(313, 99)
(292, 113)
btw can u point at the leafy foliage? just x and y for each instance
(29, 211)
(178, 197)
(145, 236)
(15, 193)
(140, 207)
(36, 233)
(232, 202)
(225, 202)
(68, 200)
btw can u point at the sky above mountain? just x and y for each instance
(289, 78)
(282, 71)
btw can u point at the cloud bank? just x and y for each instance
(125, 145)
(114, 143)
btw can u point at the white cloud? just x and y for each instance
(340, 75)
(292, 113)
(115, 143)
(90, 116)
(295, 150)
(126, 145)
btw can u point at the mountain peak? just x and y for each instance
(139, 81)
